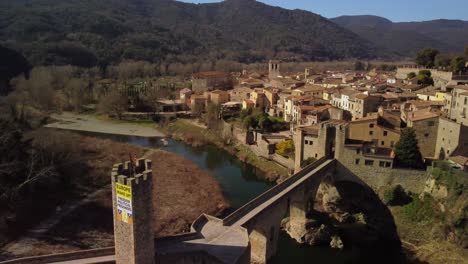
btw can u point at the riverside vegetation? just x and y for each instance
(433, 225)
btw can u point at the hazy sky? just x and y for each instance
(395, 10)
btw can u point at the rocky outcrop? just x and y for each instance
(434, 189)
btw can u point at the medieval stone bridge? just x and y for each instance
(248, 235)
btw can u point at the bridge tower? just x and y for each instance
(132, 195)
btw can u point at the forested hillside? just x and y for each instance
(99, 32)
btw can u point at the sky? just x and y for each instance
(395, 10)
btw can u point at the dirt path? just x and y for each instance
(70, 121)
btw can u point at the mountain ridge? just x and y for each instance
(406, 38)
(108, 31)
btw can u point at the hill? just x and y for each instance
(11, 64)
(406, 38)
(99, 32)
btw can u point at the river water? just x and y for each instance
(240, 183)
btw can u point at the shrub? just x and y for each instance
(420, 210)
(285, 148)
(396, 196)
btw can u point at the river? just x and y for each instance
(240, 183)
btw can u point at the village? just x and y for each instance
(273, 108)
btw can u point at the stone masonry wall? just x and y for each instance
(376, 176)
(134, 239)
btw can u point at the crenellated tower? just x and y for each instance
(132, 195)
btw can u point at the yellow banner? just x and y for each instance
(123, 191)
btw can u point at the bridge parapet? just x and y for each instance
(239, 213)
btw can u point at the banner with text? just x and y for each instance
(124, 203)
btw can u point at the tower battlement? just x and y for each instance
(132, 194)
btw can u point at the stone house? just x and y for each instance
(168, 106)
(184, 94)
(271, 95)
(209, 81)
(198, 102)
(374, 129)
(425, 123)
(292, 104)
(252, 83)
(239, 93)
(341, 100)
(458, 103)
(314, 90)
(362, 104)
(248, 104)
(286, 83)
(409, 107)
(257, 96)
(219, 97)
(367, 155)
(452, 139)
(310, 115)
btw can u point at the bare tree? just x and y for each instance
(113, 103)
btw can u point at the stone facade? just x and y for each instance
(426, 134)
(209, 81)
(458, 105)
(134, 240)
(370, 130)
(376, 174)
(450, 137)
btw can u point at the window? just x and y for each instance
(426, 135)
(357, 161)
(307, 142)
(358, 151)
(371, 125)
(388, 164)
(311, 142)
(382, 143)
(385, 133)
(382, 164)
(371, 133)
(369, 162)
(316, 155)
(392, 144)
(466, 100)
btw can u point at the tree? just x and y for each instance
(359, 66)
(466, 52)
(424, 77)
(407, 152)
(396, 196)
(249, 122)
(285, 148)
(410, 75)
(458, 64)
(264, 122)
(426, 57)
(113, 103)
(442, 60)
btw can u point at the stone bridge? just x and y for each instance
(248, 235)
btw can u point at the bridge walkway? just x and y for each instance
(253, 208)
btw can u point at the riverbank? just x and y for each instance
(88, 123)
(196, 135)
(183, 191)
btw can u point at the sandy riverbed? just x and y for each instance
(70, 121)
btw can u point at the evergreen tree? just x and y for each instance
(426, 57)
(407, 152)
(458, 64)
